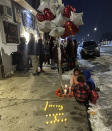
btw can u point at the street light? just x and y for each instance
(88, 35)
(95, 29)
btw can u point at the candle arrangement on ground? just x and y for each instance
(56, 117)
(67, 92)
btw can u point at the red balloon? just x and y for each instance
(48, 14)
(40, 17)
(46, 10)
(71, 28)
(67, 11)
(73, 9)
(65, 34)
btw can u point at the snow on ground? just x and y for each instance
(109, 43)
(102, 74)
(106, 48)
(103, 118)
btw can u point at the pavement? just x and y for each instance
(23, 100)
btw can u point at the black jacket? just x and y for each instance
(32, 47)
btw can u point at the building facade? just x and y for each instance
(16, 20)
(34, 3)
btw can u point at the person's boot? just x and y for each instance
(37, 72)
(42, 70)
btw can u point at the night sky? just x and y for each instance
(97, 13)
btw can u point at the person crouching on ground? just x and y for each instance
(73, 79)
(81, 91)
(89, 80)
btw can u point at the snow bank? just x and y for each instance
(104, 103)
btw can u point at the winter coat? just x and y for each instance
(47, 49)
(89, 81)
(40, 48)
(32, 47)
(70, 50)
(82, 92)
(55, 54)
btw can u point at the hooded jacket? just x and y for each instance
(89, 81)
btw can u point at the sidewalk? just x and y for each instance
(22, 101)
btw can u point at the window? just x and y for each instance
(11, 32)
(9, 11)
(1, 10)
(28, 20)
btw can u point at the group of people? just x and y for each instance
(39, 52)
(31, 54)
(82, 85)
(68, 53)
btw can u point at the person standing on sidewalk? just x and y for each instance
(47, 52)
(41, 54)
(70, 54)
(32, 52)
(75, 46)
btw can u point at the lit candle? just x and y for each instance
(56, 114)
(46, 115)
(58, 120)
(51, 122)
(65, 119)
(49, 115)
(56, 105)
(62, 114)
(46, 106)
(47, 122)
(61, 120)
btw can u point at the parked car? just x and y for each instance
(90, 49)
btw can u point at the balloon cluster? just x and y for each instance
(48, 15)
(57, 19)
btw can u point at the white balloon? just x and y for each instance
(57, 32)
(76, 18)
(59, 20)
(43, 5)
(60, 10)
(53, 6)
(46, 26)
